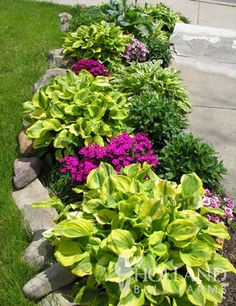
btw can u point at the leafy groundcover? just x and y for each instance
(142, 212)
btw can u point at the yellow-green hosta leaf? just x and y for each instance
(63, 139)
(197, 254)
(52, 202)
(220, 265)
(100, 273)
(121, 183)
(72, 110)
(105, 216)
(84, 267)
(120, 242)
(218, 230)
(153, 209)
(196, 293)
(52, 125)
(156, 238)
(182, 229)
(118, 272)
(78, 228)
(191, 183)
(68, 252)
(129, 298)
(173, 284)
(35, 130)
(147, 264)
(214, 291)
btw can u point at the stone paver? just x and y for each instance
(206, 58)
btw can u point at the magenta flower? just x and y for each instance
(92, 66)
(121, 151)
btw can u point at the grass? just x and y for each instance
(27, 31)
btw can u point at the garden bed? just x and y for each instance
(140, 209)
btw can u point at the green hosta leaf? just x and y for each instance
(100, 273)
(208, 210)
(52, 125)
(147, 265)
(190, 185)
(78, 228)
(153, 209)
(173, 284)
(214, 291)
(105, 216)
(121, 183)
(221, 265)
(196, 293)
(68, 253)
(218, 230)
(35, 130)
(197, 254)
(182, 230)
(84, 267)
(52, 202)
(63, 139)
(129, 298)
(120, 242)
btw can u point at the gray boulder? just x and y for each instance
(39, 253)
(55, 299)
(56, 59)
(36, 219)
(26, 170)
(25, 144)
(48, 76)
(52, 279)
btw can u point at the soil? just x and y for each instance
(229, 251)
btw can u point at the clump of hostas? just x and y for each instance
(136, 51)
(92, 66)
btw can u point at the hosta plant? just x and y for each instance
(135, 239)
(74, 110)
(164, 14)
(140, 78)
(186, 153)
(102, 41)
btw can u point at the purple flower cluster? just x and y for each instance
(136, 51)
(121, 151)
(93, 66)
(216, 201)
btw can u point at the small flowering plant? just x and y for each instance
(211, 200)
(136, 51)
(92, 66)
(121, 151)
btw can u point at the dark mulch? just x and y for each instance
(229, 251)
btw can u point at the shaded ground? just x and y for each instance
(229, 251)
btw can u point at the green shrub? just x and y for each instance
(186, 153)
(158, 50)
(140, 78)
(102, 41)
(87, 15)
(134, 240)
(159, 118)
(74, 110)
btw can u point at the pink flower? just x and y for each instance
(208, 217)
(215, 219)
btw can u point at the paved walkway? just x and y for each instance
(206, 58)
(214, 13)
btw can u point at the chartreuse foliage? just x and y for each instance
(143, 232)
(73, 110)
(103, 41)
(140, 78)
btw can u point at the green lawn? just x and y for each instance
(27, 31)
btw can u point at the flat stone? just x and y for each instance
(37, 219)
(56, 59)
(39, 253)
(26, 169)
(48, 76)
(55, 299)
(52, 279)
(25, 144)
(64, 21)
